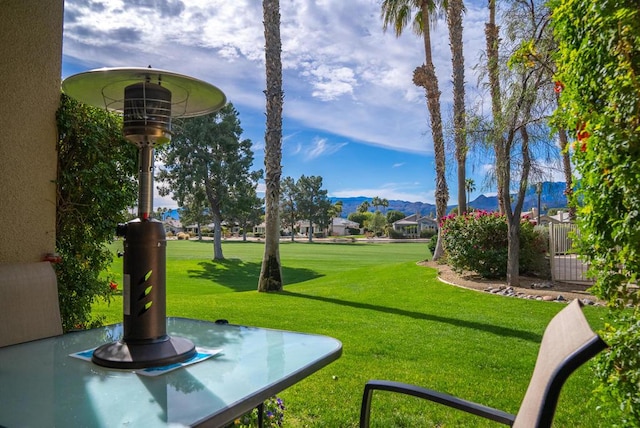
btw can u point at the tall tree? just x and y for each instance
(455, 9)
(207, 156)
(336, 209)
(492, 34)
(195, 210)
(523, 112)
(288, 208)
(469, 186)
(271, 271)
(384, 203)
(312, 202)
(398, 14)
(364, 207)
(376, 202)
(246, 207)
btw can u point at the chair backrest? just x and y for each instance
(567, 343)
(29, 307)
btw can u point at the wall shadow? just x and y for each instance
(239, 275)
(488, 328)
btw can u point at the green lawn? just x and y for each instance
(395, 320)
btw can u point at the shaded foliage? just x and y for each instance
(95, 184)
(599, 80)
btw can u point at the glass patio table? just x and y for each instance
(41, 385)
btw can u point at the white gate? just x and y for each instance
(565, 265)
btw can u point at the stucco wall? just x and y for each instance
(31, 52)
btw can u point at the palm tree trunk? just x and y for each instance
(425, 76)
(454, 21)
(492, 35)
(271, 271)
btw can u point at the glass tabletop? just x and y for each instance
(42, 386)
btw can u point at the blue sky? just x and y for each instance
(351, 112)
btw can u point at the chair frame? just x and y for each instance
(550, 395)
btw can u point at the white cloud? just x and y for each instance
(317, 148)
(341, 72)
(342, 75)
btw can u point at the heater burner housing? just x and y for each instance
(147, 114)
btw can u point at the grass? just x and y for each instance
(395, 320)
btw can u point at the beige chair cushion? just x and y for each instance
(29, 308)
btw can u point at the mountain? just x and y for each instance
(350, 205)
(552, 196)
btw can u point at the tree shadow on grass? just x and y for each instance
(488, 328)
(239, 275)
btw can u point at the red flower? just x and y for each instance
(113, 285)
(581, 133)
(558, 86)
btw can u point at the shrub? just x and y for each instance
(95, 184)
(394, 234)
(598, 59)
(428, 233)
(618, 369)
(534, 243)
(432, 243)
(478, 242)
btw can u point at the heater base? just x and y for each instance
(144, 354)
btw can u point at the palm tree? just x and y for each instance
(469, 186)
(384, 203)
(492, 33)
(363, 207)
(455, 9)
(271, 271)
(376, 202)
(398, 14)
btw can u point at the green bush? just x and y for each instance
(598, 66)
(432, 243)
(534, 245)
(618, 370)
(394, 234)
(478, 242)
(95, 184)
(428, 233)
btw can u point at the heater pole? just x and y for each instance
(145, 178)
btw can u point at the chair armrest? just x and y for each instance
(428, 394)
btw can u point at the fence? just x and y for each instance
(565, 265)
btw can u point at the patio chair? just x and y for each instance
(567, 343)
(29, 307)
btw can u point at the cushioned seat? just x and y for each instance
(29, 307)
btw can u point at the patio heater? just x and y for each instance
(148, 98)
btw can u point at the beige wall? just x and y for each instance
(30, 68)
